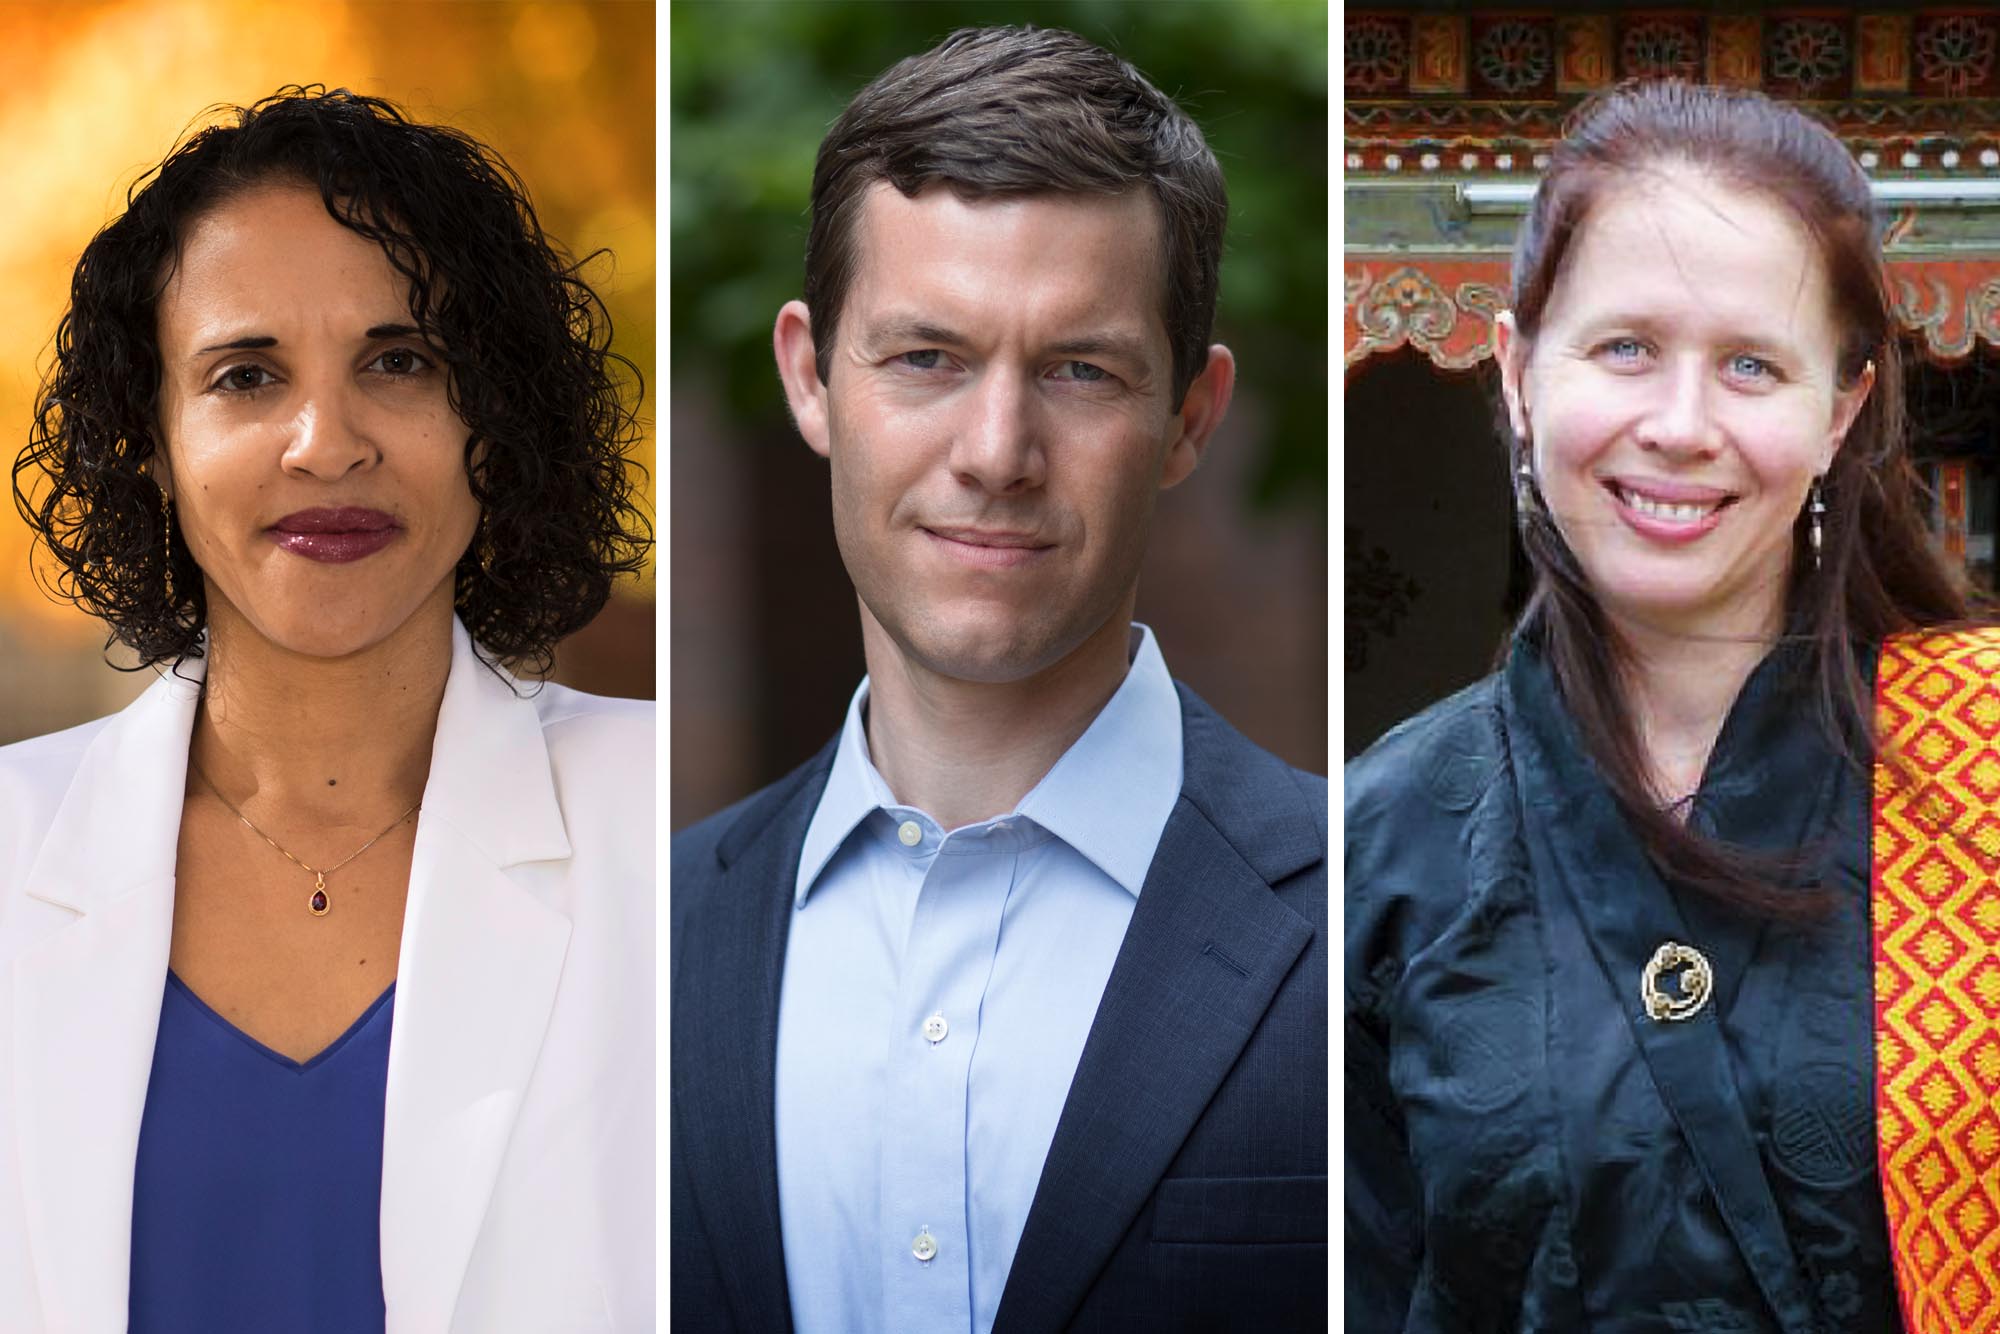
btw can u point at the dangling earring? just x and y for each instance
(167, 540)
(1815, 507)
(485, 545)
(1525, 502)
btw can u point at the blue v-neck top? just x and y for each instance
(257, 1199)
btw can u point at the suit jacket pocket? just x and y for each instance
(1241, 1210)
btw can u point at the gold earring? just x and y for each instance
(485, 541)
(167, 539)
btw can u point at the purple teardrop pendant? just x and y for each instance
(317, 905)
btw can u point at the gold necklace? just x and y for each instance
(318, 905)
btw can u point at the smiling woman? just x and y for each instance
(283, 335)
(1683, 407)
(327, 964)
(1630, 924)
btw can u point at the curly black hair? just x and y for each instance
(525, 340)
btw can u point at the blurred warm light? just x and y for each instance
(626, 231)
(554, 43)
(94, 94)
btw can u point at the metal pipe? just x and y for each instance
(1508, 197)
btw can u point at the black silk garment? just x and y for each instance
(1526, 1149)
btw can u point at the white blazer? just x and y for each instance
(517, 1157)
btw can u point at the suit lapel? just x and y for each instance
(725, 1039)
(1207, 949)
(481, 959)
(86, 1002)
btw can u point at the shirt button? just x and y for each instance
(924, 1247)
(911, 833)
(935, 1028)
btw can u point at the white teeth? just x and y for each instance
(1660, 509)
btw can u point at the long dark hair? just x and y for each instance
(1879, 572)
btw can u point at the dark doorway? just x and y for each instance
(1955, 436)
(1428, 540)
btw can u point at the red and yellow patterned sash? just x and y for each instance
(1936, 911)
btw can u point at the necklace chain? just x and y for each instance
(318, 903)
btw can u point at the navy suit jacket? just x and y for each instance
(1185, 1188)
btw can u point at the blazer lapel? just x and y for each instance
(86, 1002)
(1208, 946)
(725, 1040)
(477, 977)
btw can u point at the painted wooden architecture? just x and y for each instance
(1450, 112)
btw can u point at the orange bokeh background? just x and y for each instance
(92, 95)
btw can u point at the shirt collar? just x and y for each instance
(1108, 797)
(853, 791)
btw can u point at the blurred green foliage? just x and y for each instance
(755, 85)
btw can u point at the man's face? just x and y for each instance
(999, 419)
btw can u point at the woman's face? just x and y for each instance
(1681, 395)
(315, 465)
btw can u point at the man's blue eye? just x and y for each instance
(924, 359)
(1084, 371)
(1748, 366)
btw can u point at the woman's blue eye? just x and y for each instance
(1624, 349)
(1749, 367)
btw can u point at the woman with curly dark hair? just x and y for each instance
(325, 967)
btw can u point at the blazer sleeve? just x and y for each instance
(695, 1294)
(695, 1297)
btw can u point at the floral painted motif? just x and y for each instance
(1955, 54)
(1376, 56)
(1448, 320)
(1445, 308)
(1954, 304)
(1882, 63)
(1437, 59)
(1810, 54)
(1406, 306)
(1379, 595)
(1658, 48)
(1736, 50)
(1873, 75)
(1583, 52)
(1515, 55)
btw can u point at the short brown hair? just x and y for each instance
(1018, 111)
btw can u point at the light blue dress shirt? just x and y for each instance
(938, 988)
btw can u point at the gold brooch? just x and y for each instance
(1693, 980)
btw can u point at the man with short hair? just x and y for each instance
(1008, 1010)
